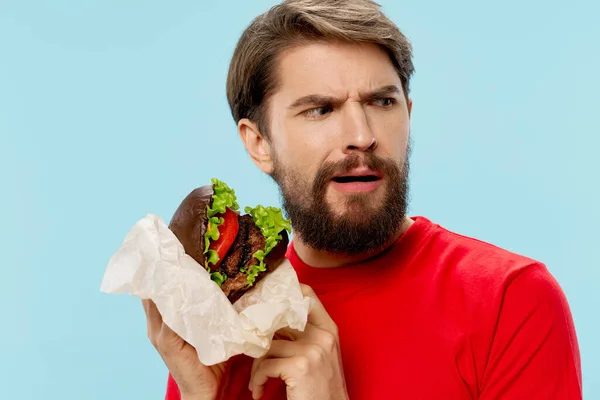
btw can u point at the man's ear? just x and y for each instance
(410, 104)
(256, 144)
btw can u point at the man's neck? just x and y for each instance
(322, 259)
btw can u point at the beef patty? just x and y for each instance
(249, 240)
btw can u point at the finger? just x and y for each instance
(255, 365)
(169, 341)
(311, 333)
(283, 349)
(278, 349)
(281, 368)
(161, 335)
(153, 319)
(287, 333)
(317, 315)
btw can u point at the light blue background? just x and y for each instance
(111, 110)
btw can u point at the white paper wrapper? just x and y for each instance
(152, 264)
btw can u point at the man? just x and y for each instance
(404, 308)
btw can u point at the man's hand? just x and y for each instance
(310, 363)
(194, 380)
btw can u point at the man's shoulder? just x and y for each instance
(475, 259)
(485, 275)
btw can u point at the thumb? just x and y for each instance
(169, 341)
(317, 314)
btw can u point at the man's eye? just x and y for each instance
(318, 111)
(385, 102)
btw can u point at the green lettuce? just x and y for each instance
(271, 223)
(223, 198)
(269, 220)
(218, 277)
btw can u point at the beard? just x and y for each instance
(363, 226)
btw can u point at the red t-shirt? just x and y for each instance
(441, 316)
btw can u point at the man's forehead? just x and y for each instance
(331, 68)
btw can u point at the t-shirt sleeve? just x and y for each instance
(534, 352)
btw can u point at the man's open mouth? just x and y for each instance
(359, 180)
(351, 178)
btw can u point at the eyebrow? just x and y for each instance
(319, 99)
(383, 91)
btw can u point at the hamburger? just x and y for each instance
(237, 250)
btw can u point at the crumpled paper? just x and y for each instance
(152, 264)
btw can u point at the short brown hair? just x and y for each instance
(252, 79)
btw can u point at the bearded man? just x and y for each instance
(404, 308)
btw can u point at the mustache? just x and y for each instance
(369, 160)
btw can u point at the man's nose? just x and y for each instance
(356, 130)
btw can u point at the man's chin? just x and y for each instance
(352, 203)
(356, 212)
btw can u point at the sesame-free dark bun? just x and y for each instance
(190, 220)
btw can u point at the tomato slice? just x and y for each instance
(227, 232)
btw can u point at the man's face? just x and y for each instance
(343, 192)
